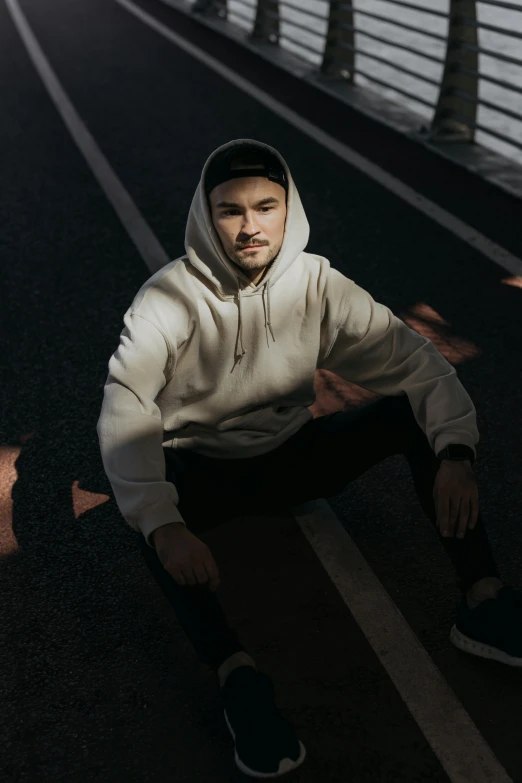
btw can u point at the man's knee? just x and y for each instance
(401, 407)
(404, 421)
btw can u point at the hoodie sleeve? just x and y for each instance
(377, 351)
(130, 428)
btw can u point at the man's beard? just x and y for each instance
(252, 263)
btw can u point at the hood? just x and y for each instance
(205, 252)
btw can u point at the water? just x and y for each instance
(500, 17)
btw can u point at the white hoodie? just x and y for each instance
(210, 362)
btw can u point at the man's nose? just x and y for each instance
(249, 225)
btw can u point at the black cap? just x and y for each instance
(244, 161)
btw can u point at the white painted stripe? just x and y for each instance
(460, 747)
(138, 229)
(458, 227)
(463, 752)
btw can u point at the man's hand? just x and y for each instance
(455, 493)
(187, 559)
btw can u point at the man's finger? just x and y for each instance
(200, 573)
(474, 513)
(213, 573)
(453, 515)
(189, 576)
(463, 517)
(443, 514)
(178, 577)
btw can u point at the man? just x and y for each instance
(206, 416)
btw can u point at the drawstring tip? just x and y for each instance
(239, 357)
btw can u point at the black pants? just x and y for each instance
(317, 462)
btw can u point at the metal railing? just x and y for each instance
(328, 41)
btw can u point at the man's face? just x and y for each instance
(250, 211)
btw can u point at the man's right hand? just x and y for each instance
(187, 559)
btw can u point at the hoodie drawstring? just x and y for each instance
(239, 356)
(268, 325)
(267, 322)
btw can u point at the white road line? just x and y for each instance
(454, 738)
(452, 735)
(137, 228)
(458, 227)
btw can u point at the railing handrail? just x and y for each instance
(458, 99)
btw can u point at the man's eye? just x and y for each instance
(235, 211)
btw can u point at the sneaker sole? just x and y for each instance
(286, 765)
(469, 645)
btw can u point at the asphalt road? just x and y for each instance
(98, 681)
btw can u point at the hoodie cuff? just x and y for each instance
(148, 526)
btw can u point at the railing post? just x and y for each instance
(210, 8)
(339, 61)
(266, 25)
(461, 30)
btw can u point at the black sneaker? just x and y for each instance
(265, 743)
(493, 629)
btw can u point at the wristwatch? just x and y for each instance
(457, 452)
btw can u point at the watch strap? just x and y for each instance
(457, 452)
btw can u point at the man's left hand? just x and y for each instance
(455, 493)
